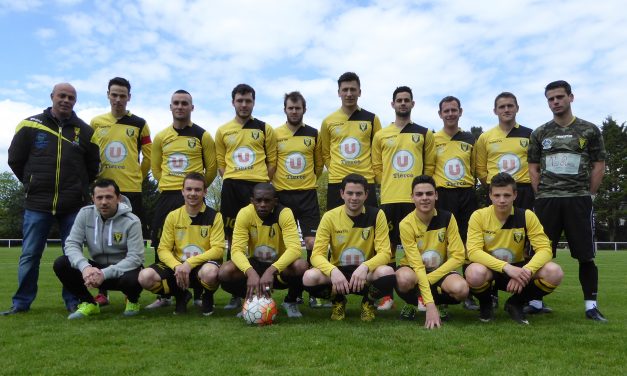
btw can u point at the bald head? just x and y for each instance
(63, 100)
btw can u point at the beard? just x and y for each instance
(403, 114)
(295, 123)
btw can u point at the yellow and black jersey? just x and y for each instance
(494, 244)
(397, 156)
(454, 160)
(347, 143)
(120, 141)
(299, 158)
(177, 152)
(273, 239)
(353, 241)
(244, 152)
(193, 239)
(496, 151)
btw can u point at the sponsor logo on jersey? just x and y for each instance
(295, 163)
(178, 162)
(363, 126)
(432, 259)
(518, 236)
(130, 132)
(307, 141)
(117, 236)
(524, 143)
(190, 251)
(547, 143)
(454, 169)
(204, 231)
(415, 138)
(441, 236)
(503, 254)
(272, 232)
(509, 163)
(265, 253)
(41, 140)
(350, 148)
(365, 233)
(243, 157)
(191, 142)
(464, 146)
(582, 142)
(403, 161)
(352, 256)
(77, 133)
(254, 135)
(115, 152)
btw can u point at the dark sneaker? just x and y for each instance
(12, 311)
(338, 311)
(516, 312)
(408, 312)
(595, 314)
(495, 301)
(181, 302)
(206, 306)
(532, 310)
(486, 311)
(470, 304)
(444, 313)
(234, 303)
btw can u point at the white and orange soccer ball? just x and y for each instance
(260, 311)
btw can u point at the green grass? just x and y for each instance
(44, 342)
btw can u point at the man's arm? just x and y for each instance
(19, 151)
(596, 176)
(534, 176)
(539, 242)
(166, 243)
(324, 144)
(240, 239)
(146, 150)
(209, 157)
(381, 243)
(156, 157)
(429, 162)
(271, 153)
(455, 253)
(291, 240)
(320, 250)
(220, 151)
(74, 243)
(92, 158)
(317, 156)
(475, 245)
(377, 162)
(412, 253)
(481, 159)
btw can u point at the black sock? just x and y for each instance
(410, 297)
(320, 291)
(589, 279)
(381, 287)
(235, 288)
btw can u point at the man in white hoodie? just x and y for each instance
(116, 251)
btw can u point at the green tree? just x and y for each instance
(611, 201)
(323, 182)
(214, 192)
(11, 206)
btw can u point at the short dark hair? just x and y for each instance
(422, 179)
(355, 179)
(294, 96)
(450, 98)
(559, 84)
(402, 89)
(195, 176)
(104, 183)
(347, 77)
(503, 179)
(120, 82)
(181, 91)
(505, 94)
(242, 89)
(264, 187)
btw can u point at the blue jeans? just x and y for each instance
(35, 229)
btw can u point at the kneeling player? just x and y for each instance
(360, 251)
(496, 244)
(190, 250)
(269, 230)
(430, 238)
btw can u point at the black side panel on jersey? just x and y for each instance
(520, 132)
(194, 131)
(274, 216)
(362, 114)
(517, 220)
(253, 123)
(440, 221)
(307, 131)
(463, 136)
(205, 218)
(138, 122)
(416, 128)
(367, 219)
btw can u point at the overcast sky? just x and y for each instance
(473, 50)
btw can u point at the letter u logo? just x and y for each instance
(115, 152)
(402, 161)
(350, 148)
(296, 163)
(177, 162)
(454, 169)
(243, 157)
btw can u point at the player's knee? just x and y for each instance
(382, 271)
(476, 274)
(208, 274)
(147, 278)
(405, 279)
(459, 289)
(312, 277)
(552, 273)
(298, 267)
(227, 271)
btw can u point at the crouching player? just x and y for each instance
(360, 250)
(190, 250)
(274, 260)
(431, 241)
(114, 240)
(496, 244)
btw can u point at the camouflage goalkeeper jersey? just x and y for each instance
(565, 155)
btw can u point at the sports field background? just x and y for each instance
(44, 342)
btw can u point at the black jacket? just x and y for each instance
(55, 161)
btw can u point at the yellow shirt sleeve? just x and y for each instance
(318, 161)
(166, 243)
(220, 150)
(209, 157)
(481, 158)
(377, 158)
(240, 241)
(456, 253)
(291, 240)
(324, 144)
(156, 158)
(429, 162)
(319, 257)
(382, 248)
(539, 242)
(146, 150)
(415, 260)
(270, 141)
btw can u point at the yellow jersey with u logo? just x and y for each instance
(299, 158)
(497, 152)
(454, 160)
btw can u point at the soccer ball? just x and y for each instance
(260, 311)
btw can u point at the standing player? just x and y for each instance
(265, 252)
(400, 152)
(346, 138)
(181, 148)
(190, 251)
(360, 250)
(455, 169)
(246, 154)
(496, 247)
(122, 137)
(567, 164)
(430, 239)
(299, 164)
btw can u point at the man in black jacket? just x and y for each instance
(54, 156)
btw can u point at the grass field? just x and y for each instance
(44, 342)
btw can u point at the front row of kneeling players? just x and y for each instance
(351, 252)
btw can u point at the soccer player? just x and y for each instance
(346, 138)
(113, 235)
(299, 164)
(246, 154)
(122, 137)
(496, 247)
(455, 169)
(566, 165)
(433, 252)
(55, 158)
(190, 250)
(181, 148)
(400, 152)
(357, 235)
(266, 251)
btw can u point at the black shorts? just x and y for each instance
(334, 199)
(236, 194)
(502, 279)
(348, 271)
(304, 205)
(261, 267)
(167, 274)
(436, 288)
(574, 216)
(462, 202)
(166, 202)
(137, 206)
(395, 213)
